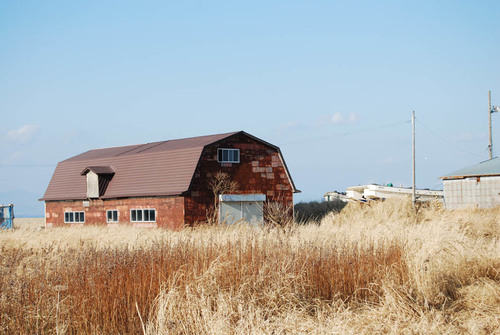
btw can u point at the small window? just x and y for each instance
(143, 215)
(112, 215)
(72, 217)
(228, 155)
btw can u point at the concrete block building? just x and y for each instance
(475, 186)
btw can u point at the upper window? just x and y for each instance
(112, 215)
(228, 155)
(142, 215)
(71, 217)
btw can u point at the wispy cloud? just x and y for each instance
(322, 121)
(340, 118)
(23, 134)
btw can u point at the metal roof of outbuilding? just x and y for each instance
(490, 167)
(152, 169)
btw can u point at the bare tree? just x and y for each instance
(278, 213)
(220, 183)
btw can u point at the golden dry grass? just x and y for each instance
(370, 269)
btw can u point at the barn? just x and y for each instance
(475, 186)
(228, 177)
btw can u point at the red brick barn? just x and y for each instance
(170, 184)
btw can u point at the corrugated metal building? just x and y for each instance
(475, 186)
(167, 184)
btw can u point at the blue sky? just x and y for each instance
(332, 83)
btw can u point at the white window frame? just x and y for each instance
(117, 216)
(142, 211)
(70, 217)
(230, 155)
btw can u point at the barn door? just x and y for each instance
(241, 208)
(252, 212)
(230, 212)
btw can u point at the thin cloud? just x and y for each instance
(353, 117)
(324, 120)
(23, 134)
(336, 118)
(339, 118)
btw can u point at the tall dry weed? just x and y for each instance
(382, 268)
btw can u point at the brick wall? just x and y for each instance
(260, 171)
(169, 211)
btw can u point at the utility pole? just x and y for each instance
(490, 146)
(413, 198)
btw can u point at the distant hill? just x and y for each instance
(26, 204)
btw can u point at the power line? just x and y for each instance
(347, 133)
(445, 140)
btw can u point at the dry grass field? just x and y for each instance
(372, 269)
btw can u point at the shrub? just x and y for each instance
(315, 211)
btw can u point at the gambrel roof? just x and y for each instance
(153, 169)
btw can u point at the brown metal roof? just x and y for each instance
(152, 169)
